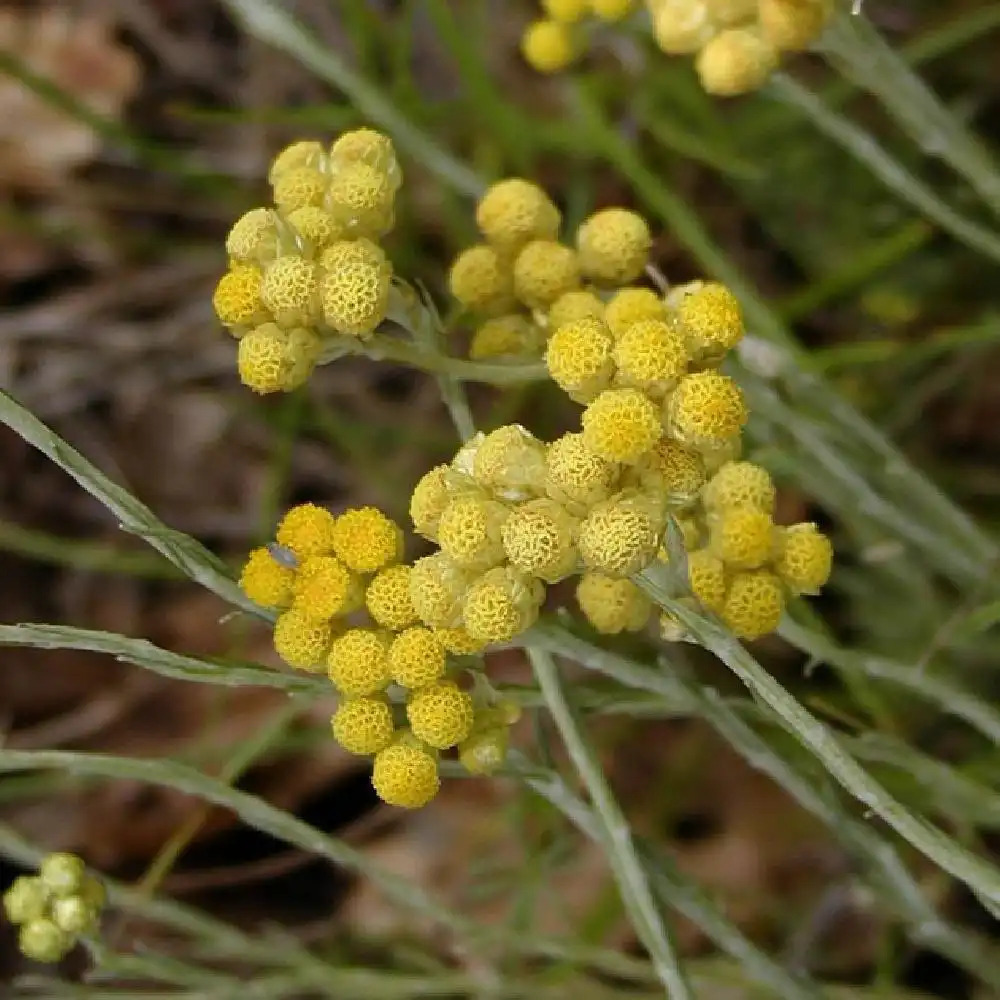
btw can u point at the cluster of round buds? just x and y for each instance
(54, 907)
(737, 44)
(556, 39)
(309, 267)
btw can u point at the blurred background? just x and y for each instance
(132, 133)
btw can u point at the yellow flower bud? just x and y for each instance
(805, 558)
(405, 775)
(651, 355)
(437, 589)
(612, 605)
(365, 145)
(366, 540)
(622, 425)
(580, 358)
(302, 642)
(253, 237)
(734, 62)
(429, 499)
(42, 941)
(567, 11)
(358, 662)
(304, 153)
(575, 476)
(307, 530)
(630, 305)
(237, 299)
(388, 598)
(289, 289)
(514, 212)
(73, 916)
(730, 13)
(707, 579)
(363, 725)
(458, 641)
(548, 46)
(266, 581)
(325, 588)
(263, 359)
(485, 751)
(673, 471)
(482, 280)
(739, 484)
(502, 603)
(743, 538)
(315, 228)
(575, 305)
(299, 187)
(706, 410)
(793, 25)
(510, 463)
(754, 604)
(354, 289)
(539, 537)
(360, 197)
(620, 536)
(544, 270)
(511, 336)
(25, 900)
(469, 531)
(417, 658)
(711, 319)
(613, 246)
(440, 714)
(681, 27)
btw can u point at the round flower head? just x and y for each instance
(482, 280)
(315, 229)
(360, 197)
(42, 941)
(543, 271)
(805, 558)
(620, 536)
(358, 662)
(793, 25)
(354, 289)
(612, 10)
(253, 237)
(304, 153)
(706, 410)
(325, 588)
(365, 145)
(580, 358)
(405, 775)
(621, 425)
(681, 27)
(289, 289)
(428, 501)
(630, 305)
(707, 579)
(539, 537)
(307, 530)
(739, 484)
(437, 589)
(575, 475)
(502, 603)
(469, 531)
(62, 874)
(735, 61)
(417, 658)
(729, 13)
(613, 246)
(366, 540)
(547, 46)
(650, 355)
(299, 187)
(440, 714)
(363, 725)
(567, 11)
(673, 470)
(612, 605)
(711, 319)
(388, 598)
(457, 641)
(263, 359)
(754, 604)
(515, 211)
(743, 538)
(575, 305)
(510, 462)
(511, 336)
(25, 900)
(485, 751)
(266, 581)
(237, 301)
(300, 641)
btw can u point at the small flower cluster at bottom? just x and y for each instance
(345, 605)
(54, 907)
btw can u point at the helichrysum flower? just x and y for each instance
(711, 319)
(363, 725)
(612, 10)
(739, 484)
(253, 238)
(325, 588)
(428, 501)
(366, 145)
(672, 470)
(580, 358)
(270, 359)
(510, 336)
(469, 531)
(25, 900)
(303, 153)
(267, 581)
(360, 198)
(706, 410)
(630, 305)
(620, 536)
(299, 187)
(354, 288)
(708, 580)
(743, 538)
(300, 641)
(514, 212)
(405, 775)
(613, 246)
(440, 714)
(544, 270)
(575, 475)
(754, 604)
(612, 604)
(484, 751)
(500, 604)
(539, 539)
(510, 463)
(482, 280)
(387, 598)
(651, 355)
(682, 26)
(621, 425)
(736, 61)
(577, 304)
(237, 298)
(315, 229)
(437, 589)
(62, 874)
(307, 530)
(805, 558)
(791, 25)
(42, 941)
(547, 46)
(366, 540)
(289, 289)
(417, 658)
(458, 641)
(358, 662)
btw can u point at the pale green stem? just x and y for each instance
(982, 878)
(614, 833)
(863, 56)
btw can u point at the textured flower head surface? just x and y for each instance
(681, 27)
(437, 589)
(427, 503)
(539, 539)
(612, 604)
(580, 303)
(501, 604)
(366, 540)
(651, 355)
(548, 45)
(743, 538)
(440, 714)
(544, 271)
(299, 187)
(354, 287)
(739, 484)
(621, 425)
(708, 579)
(514, 212)
(510, 336)
(264, 359)
(706, 410)
(360, 198)
(307, 530)
(712, 320)
(237, 298)
(580, 358)
(754, 604)
(805, 558)
(290, 289)
(253, 238)
(510, 462)
(631, 305)
(575, 475)
(325, 588)
(305, 153)
(405, 775)
(620, 536)
(358, 662)
(366, 145)
(417, 658)
(469, 531)
(734, 62)
(613, 246)
(387, 598)
(482, 280)
(302, 642)
(314, 229)
(674, 471)
(793, 25)
(458, 641)
(363, 725)
(267, 581)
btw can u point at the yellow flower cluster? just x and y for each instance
(345, 604)
(310, 268)
(54, 907)
(551, 43)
